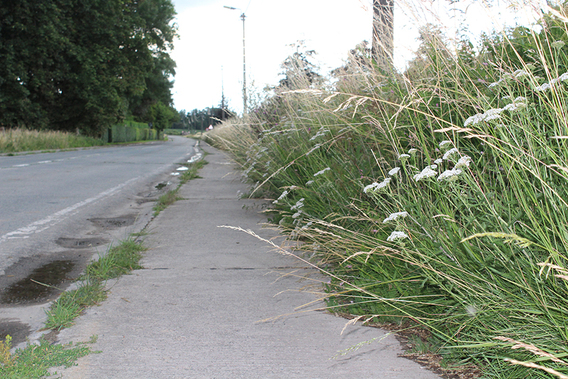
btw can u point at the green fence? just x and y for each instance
(130, 131)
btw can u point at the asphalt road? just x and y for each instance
(48, 196)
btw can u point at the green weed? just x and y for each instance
(34, 361)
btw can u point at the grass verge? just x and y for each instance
(171, 197)
(18, 140)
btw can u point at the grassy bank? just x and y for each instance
(18, 140)
(435, 198)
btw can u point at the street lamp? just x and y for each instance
(244, 63)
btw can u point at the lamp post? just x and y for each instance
(244, 63)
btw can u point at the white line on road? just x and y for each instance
(49, 221)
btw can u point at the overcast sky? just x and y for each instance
(209, 53)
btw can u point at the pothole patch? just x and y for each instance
(80, 243)
(114, 222)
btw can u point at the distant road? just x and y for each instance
(50, 195)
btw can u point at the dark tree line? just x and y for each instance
(201, 119)
(84, 64)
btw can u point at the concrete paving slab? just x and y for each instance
(196, 309)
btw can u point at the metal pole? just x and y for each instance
(244, 70)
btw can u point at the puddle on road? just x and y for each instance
(28, 291)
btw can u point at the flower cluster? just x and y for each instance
(283, 195)
(322, 171)
(428, 172)
(395, 216)
(546, 86)
(396, 236)
(374, 187)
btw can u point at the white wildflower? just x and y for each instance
(520, 74)
(403, 157)
(316, 146)
(449, 153)
(299, 204)
(395, 216)
(475, 119)
(297, 214)
(495, 84)
(309, 182)
(281, 197)
(426, 173)
(558, 44)
(492, 117)
(394, 171)
(370, 187)
(463, 161)
(445, 144)
(412, 152)
(563, 77)
(307, 225)
(449, 175)
(439, 161)
(377, 186)
(520, 99)
(492, 112)
(397, 235)
(542, 87)
(322, 171)
(433, 166)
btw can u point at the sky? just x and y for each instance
(209, 52)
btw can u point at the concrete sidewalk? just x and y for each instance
(194, 311)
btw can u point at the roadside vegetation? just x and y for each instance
(34, 361)
(18, 140)
(436, 198)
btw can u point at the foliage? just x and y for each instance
(202, 119)
(436, 197)
(34, 361)
(119, 260)
(74, 65)
(18, 140)
(298, 70)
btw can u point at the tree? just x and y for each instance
(299, 72)
(79, 65)
(162, 116)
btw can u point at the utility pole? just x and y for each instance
(383, 32)
(243, 17)
(244, 70)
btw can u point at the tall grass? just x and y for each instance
(437, 197)
(18, 140)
